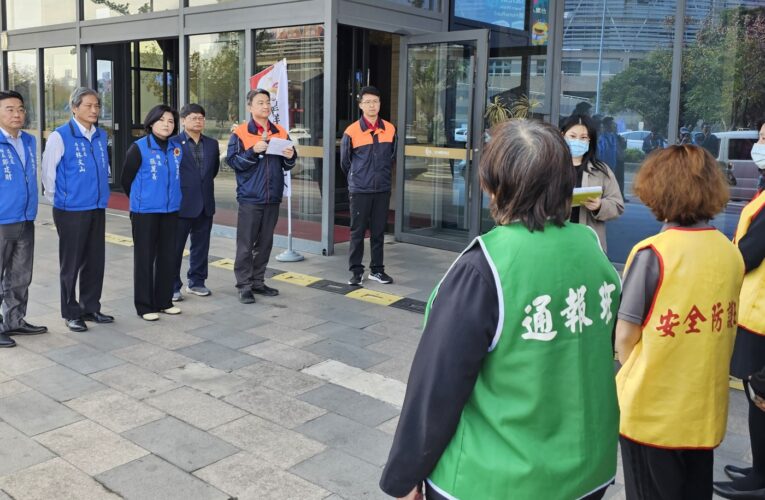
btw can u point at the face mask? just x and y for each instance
(578, 148)
(758, 155)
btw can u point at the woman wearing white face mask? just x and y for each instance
(580, 134)
(758, 156)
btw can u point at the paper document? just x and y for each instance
(584, 193)
(277, 146)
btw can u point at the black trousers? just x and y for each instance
(757, 441)
(254, 239)
(81, 253)
(154, 261)
(666, 474)
(199, 228)
(17, 250)
(368, 210)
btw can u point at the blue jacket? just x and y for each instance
(197, 184)
(157, 185)
(18, 184)
(259, 178)
(82, 174)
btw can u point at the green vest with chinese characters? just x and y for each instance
(543, 420)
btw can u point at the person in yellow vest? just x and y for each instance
(674, 336)
(749, 350)
(511, 393)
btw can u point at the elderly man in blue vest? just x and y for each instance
(18, 209)
(75, 170)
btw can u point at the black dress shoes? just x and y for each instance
(735, 472)
(726, 490)
(97, 317)
(6, 341)
(265, 290)
(76, 325)
(245, 297)
(27, 329)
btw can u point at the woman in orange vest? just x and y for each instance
(679, 303)
(749, 352)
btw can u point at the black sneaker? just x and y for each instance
(357, 279)
(381, 277)
(246, 297)
(265, 290)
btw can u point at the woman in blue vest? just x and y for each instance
(151, 177)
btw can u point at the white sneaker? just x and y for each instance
(177, 296)
(150, 316)
(172, 310)
(202, 291)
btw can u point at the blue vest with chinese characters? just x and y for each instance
(82, 174)
(18, 184)
(157, 185)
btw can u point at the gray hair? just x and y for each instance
(79, 93)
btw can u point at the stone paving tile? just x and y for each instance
(151, 357)
(285, 335)
(4, 377)
(268, 441)
(218, 356)
(369, 444)
(32, 413)
(397, 321)
(134, 381)
(395, 368)
(346, 353)
(195, 408)
(347, 334)
(351, 404)
(284, 355)
(12, 387)
(114, 410)
(20, 360)
(396, 347)
(180, 444)
(345, 317)
(54, 479)
(281, 379)
(247, 478)
(344, 474)
(44, 343)
(389, 427)
(371, 384)
(89, 447)
(274, 406)
(234, 317)
(18, 452)
(104, 338)
(229, 337)
(167, 338)
(151, 478)
(292, 319)
(217, 383)
(60, 383)
(84, 359)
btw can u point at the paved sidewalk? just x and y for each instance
(294, 397)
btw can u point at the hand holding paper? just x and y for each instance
(583, 194)
(277, 146)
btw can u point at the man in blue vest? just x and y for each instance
(75, 170)
(199, 166)
(18, 209)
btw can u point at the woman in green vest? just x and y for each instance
(511, 392)
(674, 336)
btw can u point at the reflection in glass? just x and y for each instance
(60, 73)
(152, 70)
(436, 164)
(105, 88)
(22, 77)
(22, 14)
(216, 70)
(303, 47)
(197, 3)
(101, 9)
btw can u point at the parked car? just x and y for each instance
(735, 157)
(300, 135)
(460, 134)
(635, 138)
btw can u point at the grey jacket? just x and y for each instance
(611, 203)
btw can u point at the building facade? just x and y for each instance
(445, 68)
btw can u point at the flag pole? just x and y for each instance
(289, 255)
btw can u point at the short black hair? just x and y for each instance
(369, 90)
(10, 94)
(760, 123)
(252, 93)
(156, 113)
(191, 108)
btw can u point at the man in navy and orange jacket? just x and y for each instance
(367, 153)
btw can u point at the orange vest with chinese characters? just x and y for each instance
(751, 315)
(673, 389)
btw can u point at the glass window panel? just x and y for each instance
(22, 77)
(101, 9)
(197, 3)
(60, 73)
(216, 72)
(31, 13)
(303, 47)
(434, 5)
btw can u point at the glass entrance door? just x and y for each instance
(440, 132)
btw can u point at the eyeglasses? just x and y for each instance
(370, 103)
(196, 118)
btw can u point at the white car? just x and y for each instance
(735, 154)
(635, 138)
(298, 133)
(460, 134)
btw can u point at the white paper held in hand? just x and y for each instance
(582, 194)
(277, 146)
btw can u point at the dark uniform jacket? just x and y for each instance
(197, 181)
(366, 156)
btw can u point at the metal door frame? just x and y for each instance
(472, 197)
